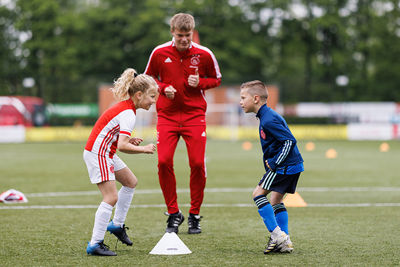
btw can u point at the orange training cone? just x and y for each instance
(384, 147)
(294, 200)
(310, 146)
(331, 154)
(247, 145)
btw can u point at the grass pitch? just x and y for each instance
(352, 217)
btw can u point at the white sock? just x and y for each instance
(101, 220)
(277, 232)
(125, 196)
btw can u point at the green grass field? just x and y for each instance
(352, 217)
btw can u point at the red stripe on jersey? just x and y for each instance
(113, 146)
(103, 149)
(106, 140)
(125, 132)
(101, 166)
(103, 157)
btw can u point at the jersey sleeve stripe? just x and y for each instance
(216, 67)
(125, 133)
(154, 50)
(285, 152)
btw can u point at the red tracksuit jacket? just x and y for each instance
(170, 67)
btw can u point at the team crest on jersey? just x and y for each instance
(195, 60)
(112, 168)
(262, 134)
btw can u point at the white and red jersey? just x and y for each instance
(118, 119)
(171, 67)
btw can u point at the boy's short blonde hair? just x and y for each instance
(256, 88)
(182, 22)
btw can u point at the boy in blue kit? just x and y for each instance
(282, 161)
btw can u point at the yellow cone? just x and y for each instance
(294, 200)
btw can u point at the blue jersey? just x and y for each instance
(278, 143)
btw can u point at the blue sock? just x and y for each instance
(281, 216)
(266, 212)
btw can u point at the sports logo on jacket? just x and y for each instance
(262, 134)
(168, 60)
(195, 60)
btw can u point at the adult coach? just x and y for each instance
(183, 70)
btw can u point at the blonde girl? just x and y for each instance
(112, 132)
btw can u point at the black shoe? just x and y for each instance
(119, 232)
(174, 220)
(194, 223)
(99, 249)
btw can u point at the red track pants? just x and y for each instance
(195, 139)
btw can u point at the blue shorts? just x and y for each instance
(281, 183)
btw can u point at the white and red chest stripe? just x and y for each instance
(119, 119)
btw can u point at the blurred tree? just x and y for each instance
(308, 40)
(386, 54)
(317, 42)
(383, 66)
(39, 18)
(10, 53)
(314, 50)
(224, 29)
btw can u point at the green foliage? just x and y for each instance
(225, 30)
(9, 68)
(301, 46)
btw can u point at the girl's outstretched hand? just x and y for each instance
(149, 149)
(135, 141)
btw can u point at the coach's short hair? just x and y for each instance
(256, 87)
(182, 22)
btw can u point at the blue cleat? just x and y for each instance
(119, 232)
(99, 249)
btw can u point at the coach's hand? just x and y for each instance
(170, 92)
(193, 80)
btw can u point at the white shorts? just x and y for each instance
(102, 168)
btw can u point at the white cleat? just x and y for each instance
(285, 247)
(277, 238)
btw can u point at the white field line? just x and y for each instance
(211, 190)
(223, 190)
(237, 205)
